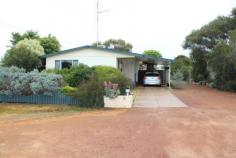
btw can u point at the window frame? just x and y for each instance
(59, 63)
(72, 61)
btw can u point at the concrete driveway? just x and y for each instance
(152, 97)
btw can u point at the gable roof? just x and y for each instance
(137, 55)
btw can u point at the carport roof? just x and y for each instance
(137, 55)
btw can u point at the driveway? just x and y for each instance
(152, 97)
(206, 129)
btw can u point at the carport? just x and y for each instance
(135, 68)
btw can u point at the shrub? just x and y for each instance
(16, 81)
(75, 75)
(177, 80)
(90, 93)
(90, 82)
(177, 76)
(211, 85)
(183, 64)
(231, 85)
(111, 90)
(69, 90)
(107, 73)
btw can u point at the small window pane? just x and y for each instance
(66, 64)
(75, 62)
(57, 64)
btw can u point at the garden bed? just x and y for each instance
(120, 101)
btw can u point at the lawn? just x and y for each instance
(16, 112)
(31, 108)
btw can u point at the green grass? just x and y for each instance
(31, 108)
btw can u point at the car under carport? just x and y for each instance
(135, 68)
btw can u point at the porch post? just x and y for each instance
(169, 74)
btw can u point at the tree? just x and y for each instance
(116, 44)
(219, 62)
(223, 59)
(97, 43)
(199, 65)
(232, 42)
(153, 53)
(50, 44)
(207, 36)
(16, 36)
(25, 54)
(233, 12)
(202, 41)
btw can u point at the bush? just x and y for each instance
(178, 76)
(90, 83)
(107, 73)
(111, 90)
(15, 81)
(68, 90)
(183, 64)
(231, 85)
(90, 93)
(177, 80)
(211, 85)
(75, 75)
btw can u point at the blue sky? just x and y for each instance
(147, 24)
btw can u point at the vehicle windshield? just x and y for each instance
(152, 74)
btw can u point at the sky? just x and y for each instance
(147, 24)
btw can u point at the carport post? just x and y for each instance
(169, 73)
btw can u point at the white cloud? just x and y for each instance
(147, 24)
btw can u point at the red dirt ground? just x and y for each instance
(206, 129)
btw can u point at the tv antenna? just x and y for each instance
(99, 11)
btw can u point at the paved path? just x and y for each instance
(156, 97)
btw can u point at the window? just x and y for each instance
(57, 64)
(120, 65)
(63, 64)
(75, 62)
(66, 64)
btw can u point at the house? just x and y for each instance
(132, 65)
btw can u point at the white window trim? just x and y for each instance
(60, 62)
